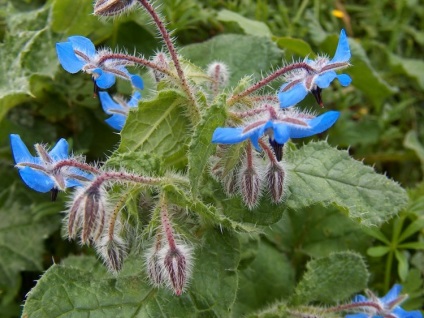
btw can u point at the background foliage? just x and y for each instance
(381, 124)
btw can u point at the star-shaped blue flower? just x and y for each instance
(42, 173)
(118, 108)
(384, 307)
(79, 54)
(286, 125)
(301, 81)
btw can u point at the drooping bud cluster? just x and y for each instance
(169, 260)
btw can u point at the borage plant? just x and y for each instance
(181, 207)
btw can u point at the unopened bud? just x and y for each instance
(250, 186)
(154, 265)
(275, 179)
(110, 8)
(113, 251)
(160, 59)
(219, 74)
(177, 264)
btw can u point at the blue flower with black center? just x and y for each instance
(301, 81)
(384, 307)
(79, 54)
(279, 125)
(118, 108)
(52, 170)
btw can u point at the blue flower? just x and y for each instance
(118, 108)
(279, 126)
(385, 307)
(47, 171)
(79, 54)
(302, 81)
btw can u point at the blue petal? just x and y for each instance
(20, 151)
(60, 150)
(359, 315)
(401, 313)
(281, 133)
(316, 125)
(105, 80)
(228, 135)
(359, 298)
(108, 104)
(392, 294)
(293, 96)
(36, 180)
(116, 121)
(67, 58)
(344, 79)
(83, 45)
(324, 80)
(133, 102)
(343, 51)
(137, 81)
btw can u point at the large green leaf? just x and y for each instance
(201, 148)
(82, 288)
(317, 231)
(331, 279)
(269, 277)
(159, 126)
(251, 27)
(238, 52)
(320, 174)
(23, 229)
(28, 49)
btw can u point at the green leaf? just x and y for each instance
(296, 46)
(332, 279)
(378, 251)
(416, 226)
(232, 50)
(403, 265)
(269, 277)
(321, 174)
(377, 234)
(73, 17)
(249, 26)
(158, 126)
(413, 68)
(28, 49)
(411, 142)
(82, 287)
(201, 147)
(317, 231)
(23, 229)
(413, 245)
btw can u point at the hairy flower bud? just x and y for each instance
(219, 74)
(275, 180)
(250, 186)
(155, 268)
(113, 251)
(161, 60)
(177, 262)
(87, 210)
(109, 8)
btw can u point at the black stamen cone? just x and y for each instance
(96, 89)
(54, 193)
(317, 94)
(278, 149)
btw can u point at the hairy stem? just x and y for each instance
(265, 81)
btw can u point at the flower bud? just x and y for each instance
(110, 8)
(250, 186)
(113, 251)
(177, 262)
(155, 268)
(218, 71)
(275, 180)
(161, 60)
